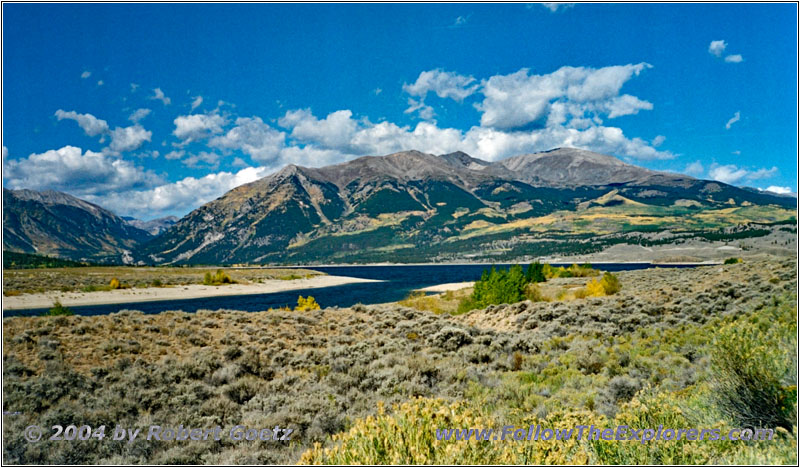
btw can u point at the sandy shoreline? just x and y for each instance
(190, 291)
(447, 287)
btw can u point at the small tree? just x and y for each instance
(535, 273)
(59, 309)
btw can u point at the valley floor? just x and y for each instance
(368, 384)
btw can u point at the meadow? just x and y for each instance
(370, 383)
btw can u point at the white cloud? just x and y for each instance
(735, 58)
(350, 138)
(134, 87)
(72, 170)
(658, 140)
(626, 105)
(203, 157)
(100, 82)
(779, 190)
(334, 131)
(460, 21)
(138, 115)
(445, 84)
(177, 154)
(519, 99)
(732, 120)
(129, 138)
(177, 197)
(716, 48)
(5, 152)
(159, 95)
(86, 74)
(252, 136)
(695, 169)
(377, 91)
(731, 174)
(424, 111)
(196, 102)
(555, 6)
(197, 126)
(90, 124)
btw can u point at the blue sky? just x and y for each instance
(152, 109)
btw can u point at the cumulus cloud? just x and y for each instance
(196, 102)
(197, 126)
(716, 48)
(138, 115)
(351, 137)
(73, 170)
(159, 96)
(129, 138)
(253, 137)
(445, 84)
(519, 99)
(779, 190)
(731, 174)
(732, 120)
(90, 124)
(177, 197)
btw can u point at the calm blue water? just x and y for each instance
(398, 281)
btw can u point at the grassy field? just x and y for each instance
(99, 278)
(362, 384)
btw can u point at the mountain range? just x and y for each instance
(407, 206)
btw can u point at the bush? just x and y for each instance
(59, 309)
(610, 283)
(114, 283)
(732, 261)
(217, 279)
(308, 303)
(752, 368)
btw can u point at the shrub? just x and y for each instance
(610, 283)
(115, 284)
(732, 261)
(220, 277)
(307, 303)
(59, 309)
(534, 293)
(752, 369)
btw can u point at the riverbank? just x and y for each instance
(189, 291)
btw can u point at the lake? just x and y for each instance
(398, 281)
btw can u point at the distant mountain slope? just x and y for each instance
(411, 206)
(154, 226)
(57, 224)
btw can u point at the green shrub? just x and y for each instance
(732, 261)
(752, 366)
(59, 309)
(535, 273)
(217, 279)
(610, 283)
